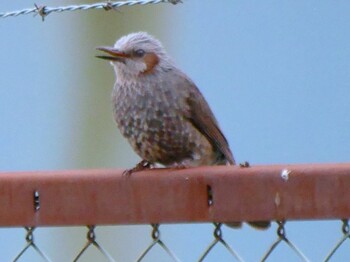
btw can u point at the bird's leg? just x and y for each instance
(244, 164)
(144, 164)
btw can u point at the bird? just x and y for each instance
(161, 111)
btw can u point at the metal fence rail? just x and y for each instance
(205, 194)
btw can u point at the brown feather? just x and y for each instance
(151, 60)
(204, 120)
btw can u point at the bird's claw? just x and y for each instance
(144, 164)
(244, 164)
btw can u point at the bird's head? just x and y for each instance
(136, 54)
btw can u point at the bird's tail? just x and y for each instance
(261, 225)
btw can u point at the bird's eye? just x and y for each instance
(139, 53)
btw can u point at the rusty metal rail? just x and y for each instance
(204, 194)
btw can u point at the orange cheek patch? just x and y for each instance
(151, 60)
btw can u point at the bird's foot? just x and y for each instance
(244, 164)
(143, 165)
(179, 166)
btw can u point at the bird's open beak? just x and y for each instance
(115, 54)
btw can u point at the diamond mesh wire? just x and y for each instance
(218, 239)
(157, 241)
(166, 249)
(282, 238)
(91, 241)
(31, 244)
(346, 235)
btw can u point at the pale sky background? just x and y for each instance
(276, 74)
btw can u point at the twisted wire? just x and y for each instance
(45, 10)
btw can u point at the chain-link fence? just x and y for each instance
(165, 251)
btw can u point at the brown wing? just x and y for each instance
(204, 120)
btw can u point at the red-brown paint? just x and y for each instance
(89, 197)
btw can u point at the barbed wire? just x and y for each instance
(44, 10)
